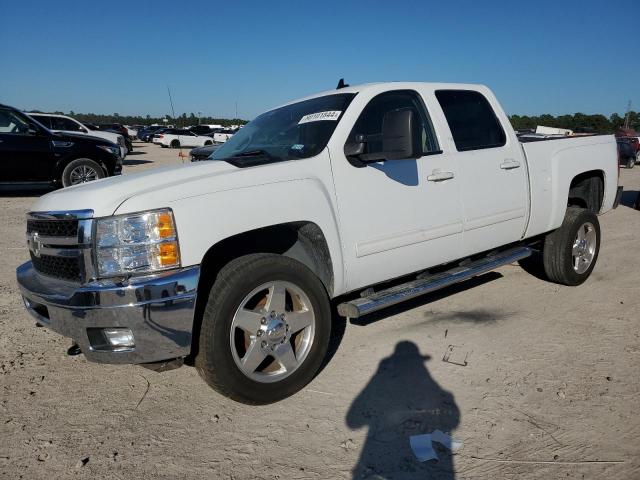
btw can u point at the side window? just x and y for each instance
(370, 121)
(472, 121)
(12, 123)
(60, 123)
(46, 121)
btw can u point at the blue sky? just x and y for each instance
(105, 57)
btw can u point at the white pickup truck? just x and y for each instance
(368, 194)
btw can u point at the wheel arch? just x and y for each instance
(586, 190)
(303, 241)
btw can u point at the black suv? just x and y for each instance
(30, 154)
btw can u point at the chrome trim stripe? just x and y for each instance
(52, 241)
(61, 215)
(61, 252)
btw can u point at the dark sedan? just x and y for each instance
(203, 153)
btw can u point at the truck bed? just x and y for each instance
(552, 166)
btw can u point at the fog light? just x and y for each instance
(119, 337)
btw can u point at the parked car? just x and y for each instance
(133, 132)
(369, 195)
(176, 138)
(63, 123)
(201, 129)
(117, 128)
(146, 135)
(33, 155)
(203, 153)
(627, 154)
(221, 135)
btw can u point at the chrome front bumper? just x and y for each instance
(159, 310)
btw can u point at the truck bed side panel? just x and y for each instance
(552, 167)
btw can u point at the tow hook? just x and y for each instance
(74, 350)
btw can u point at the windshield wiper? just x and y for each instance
(251, 158)
(252, 153)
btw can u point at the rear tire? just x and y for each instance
(254, 348)
(570, 252)
(631, 162)
(81, 170)
(175, 144)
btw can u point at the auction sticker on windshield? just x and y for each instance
(316, 117)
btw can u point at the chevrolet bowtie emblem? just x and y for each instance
(34, 243)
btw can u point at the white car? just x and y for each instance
(63, 123)
(365, 196)
(222, 135)
(176, 138)
(133, 133)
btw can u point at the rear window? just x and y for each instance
(472, 121)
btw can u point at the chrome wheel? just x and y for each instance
(272, 331)
(83, 174)
(584, 247)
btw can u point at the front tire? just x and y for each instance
(631, 162)
(265, 329)
(81, 170)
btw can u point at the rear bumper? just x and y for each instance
(616, 202)
(158, 309)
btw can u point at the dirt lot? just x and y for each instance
(549, 389)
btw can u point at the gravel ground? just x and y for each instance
(542, 382)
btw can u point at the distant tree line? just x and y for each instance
(180, 121)
(578, 122)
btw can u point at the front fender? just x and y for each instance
(205, 220)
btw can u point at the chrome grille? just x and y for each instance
(60, 244)
(56, 228)
(57, 267)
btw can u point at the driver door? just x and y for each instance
(396, 216)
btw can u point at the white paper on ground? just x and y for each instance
(445, 440)
(422, 445)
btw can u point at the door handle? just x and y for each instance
(510, 164)
(440, 176)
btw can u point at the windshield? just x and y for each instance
(299, 130)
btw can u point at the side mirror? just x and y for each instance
(354, 149)
(397, 134)
(396, 138)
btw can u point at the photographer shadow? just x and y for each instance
(401, 400)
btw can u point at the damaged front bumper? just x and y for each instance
(157, 309)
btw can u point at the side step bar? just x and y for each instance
(424, 284)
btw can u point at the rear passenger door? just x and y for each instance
(492, 171)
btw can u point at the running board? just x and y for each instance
(429, 283)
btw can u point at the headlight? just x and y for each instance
(136, 243)
(114, 150)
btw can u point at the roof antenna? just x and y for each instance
(341, 84)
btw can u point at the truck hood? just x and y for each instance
(106, 195)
